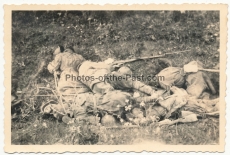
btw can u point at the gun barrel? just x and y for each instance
(148, 57)
(209, 70)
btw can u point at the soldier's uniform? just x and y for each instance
(103, 96)
(101, 83)
(87, 104)
(198, 82)
(67, 63)
(93, 75)
(171, 76)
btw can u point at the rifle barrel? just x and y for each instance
(148, 57)
(209, 70)
(57, 95)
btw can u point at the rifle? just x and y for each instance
(56, 85)
(209, 70)
(149, 57)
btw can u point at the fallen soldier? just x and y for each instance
(198, 82)
(103, 97)
(179, 105)
(115, 103)
(119, 81)
(74, 66)
(66, 62)
(86, 104)
(189, 77)
(191, 110)
(173, 76)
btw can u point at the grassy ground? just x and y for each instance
(49, 131)
(120, 35)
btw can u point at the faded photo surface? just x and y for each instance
(95, 77)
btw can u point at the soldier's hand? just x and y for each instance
(154, 95)
(58, 72)
(116, 66)
(50, 68)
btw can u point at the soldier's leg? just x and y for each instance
(172, 103)
(159, 94)
(130, 83)
(146, 99)
(142, 87)
(101, 88)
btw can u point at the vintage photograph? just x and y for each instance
(115, 77)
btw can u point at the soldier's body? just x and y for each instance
(189, 77)
(197, 83)
(105, 78)
(67, 63)
(95, 75)
(101, 94)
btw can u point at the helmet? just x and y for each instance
(109, 61)
(108, 120)
(114, 100)
(57, 51)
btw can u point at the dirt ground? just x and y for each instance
(111, 34)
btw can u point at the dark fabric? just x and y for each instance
(197, 83)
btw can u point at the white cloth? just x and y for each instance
(191, 67)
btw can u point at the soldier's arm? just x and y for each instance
(101, 65)
(209, 83)
(55, 64)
